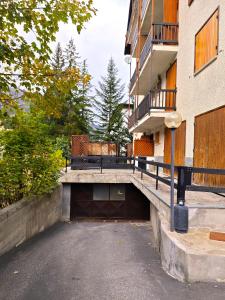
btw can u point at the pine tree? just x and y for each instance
(76, 114)
(71, 55)
(112, 126)
(58, 60)
(80, 116)
(85, 98)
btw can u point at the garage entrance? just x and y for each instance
(108, 201)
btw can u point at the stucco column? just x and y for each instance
(66, 202)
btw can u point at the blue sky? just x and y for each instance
(103, 37)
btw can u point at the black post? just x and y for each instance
(157, 177)
(172, 179)
(184, 179)
(101, 164)
(141, 174)
(66, 164)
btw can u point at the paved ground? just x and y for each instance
(94, 261)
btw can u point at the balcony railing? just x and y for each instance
(146, 50)
(144, 7)
(133, 79)
(134, 39)
(161, 33)
(163, 99)
(132, 119)
(166, 33)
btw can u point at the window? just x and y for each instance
(108, 192)
(101, 192)
(117, 192)
(206, 42)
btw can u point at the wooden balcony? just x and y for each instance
(162, 99)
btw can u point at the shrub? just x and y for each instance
(30, 164)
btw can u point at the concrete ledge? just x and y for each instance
(192, 257)
(94, 176)
(24, 219)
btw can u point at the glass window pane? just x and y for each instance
(117, 192)
(101, 192)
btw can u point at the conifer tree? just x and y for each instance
(71, 55)
(112, 125)
(58, 60)
(76, 115)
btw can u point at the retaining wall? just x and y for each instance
(24, 219)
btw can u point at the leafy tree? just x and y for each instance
(30, 164)
(25, 65)
(109, 106)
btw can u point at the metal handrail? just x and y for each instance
(162, 99)
(144, 7)
(160, 33)
(133, 79)
(146, 50)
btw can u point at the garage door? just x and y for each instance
(209, 149)
(108, 201)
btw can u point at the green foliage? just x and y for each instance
(109, 106)
(62, 143)
(39, 19)
(31, 164)
(33, 143)
(75, 115)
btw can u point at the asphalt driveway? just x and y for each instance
(94, 261)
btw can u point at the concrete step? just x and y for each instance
(192, 257)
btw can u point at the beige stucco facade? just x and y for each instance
(202, 92)
(197, 93)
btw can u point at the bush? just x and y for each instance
(30, 164)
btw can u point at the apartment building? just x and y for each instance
(178, 49)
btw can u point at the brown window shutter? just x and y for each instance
(206, 42)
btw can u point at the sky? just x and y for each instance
(102, 38)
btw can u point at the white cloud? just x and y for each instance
(103, 37)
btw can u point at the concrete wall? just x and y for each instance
(198, 93)
(24, 219)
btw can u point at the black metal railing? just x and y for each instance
(146, 50)
(165, 33)
(162, 99)
(161, 33)
(132, 120)
(144, 107)
(144, 7)
(133, 79)
(183, 184)
(101, 162)
(185, 180)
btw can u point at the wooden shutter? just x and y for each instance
(210, 145)
(170, 8)
(206, 42)
(180, 146)
(171, 83)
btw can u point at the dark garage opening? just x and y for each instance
(108, 201)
